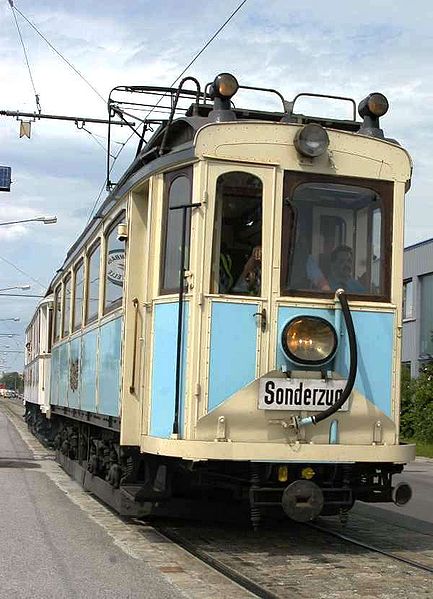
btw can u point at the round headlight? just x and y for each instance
(225, 85)
(312, 140)
(309, 340)
(377, 104)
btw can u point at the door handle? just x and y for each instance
(264, 319)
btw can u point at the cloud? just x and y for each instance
(331, 47)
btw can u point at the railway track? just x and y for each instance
(373, 548)
(310, 553)
(367, 559)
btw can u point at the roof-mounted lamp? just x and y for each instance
(221, 92)
(371, 109)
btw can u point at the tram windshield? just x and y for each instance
(333, 237)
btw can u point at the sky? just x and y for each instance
(347, 49)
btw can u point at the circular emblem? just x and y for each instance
(116, 266)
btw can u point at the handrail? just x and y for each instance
(134, 351)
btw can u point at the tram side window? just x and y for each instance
(114, 267)
(57, 312)
(66, 306)
(177, 193)
(78, 296)
(333, 238)
(92, 301)
(237, 235)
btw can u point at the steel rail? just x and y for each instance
(227, 571)
(373, 548)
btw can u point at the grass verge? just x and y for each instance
(424, 450)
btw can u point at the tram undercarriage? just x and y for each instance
(137, 484)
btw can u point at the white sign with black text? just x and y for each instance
(300, 394)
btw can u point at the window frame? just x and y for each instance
(217, 230)
(120, 217)
(92, 249)
(66, 280)
(292, 180)
(169, 178)
(404, 303)
(57, 318)
(77, 266)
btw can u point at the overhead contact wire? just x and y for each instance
(70, 65)
(226, 22)
(38, 107)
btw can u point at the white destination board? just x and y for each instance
(313, 395)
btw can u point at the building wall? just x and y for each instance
(417, 339)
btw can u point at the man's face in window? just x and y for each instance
(342, 265)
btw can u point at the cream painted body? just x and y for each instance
(37, 360)
(237, 430)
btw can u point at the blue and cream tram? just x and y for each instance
(229, 324)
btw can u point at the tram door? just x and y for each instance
(238, 249)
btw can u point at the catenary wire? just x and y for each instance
(56, 51)
(38, 106)
(23, 272)
(226, 22)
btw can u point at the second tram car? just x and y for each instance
(229, 323)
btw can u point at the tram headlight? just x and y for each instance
(309, 340)
(225, 85)
(312, 140)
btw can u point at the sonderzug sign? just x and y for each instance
(300, 394)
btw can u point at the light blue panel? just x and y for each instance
(233, 349)
(74, 373)
(374, 335)
(333, 433)
(89, 344)
(63, 374)
(54, 376)
(109, 368)
(164, 369)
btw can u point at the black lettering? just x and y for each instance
(307, 396)
(321, 401)
(297, 400)
(269, 392)
(280, 396)
(314, 396)
(289, 396)
(338, 394)
(330, 397)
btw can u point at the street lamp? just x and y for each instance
(46, 220)
(22, 287)
(15, 319)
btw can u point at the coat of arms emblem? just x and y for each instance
(73, 374)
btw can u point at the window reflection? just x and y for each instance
(237, 263)
(66, 305)
(93, 284)
(57, 312)
(114, 267)
(178, 194)
(78, 296)
(332, 239)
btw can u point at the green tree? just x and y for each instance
(407, 416)
(422, 405)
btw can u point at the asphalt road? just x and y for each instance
(50, 548)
